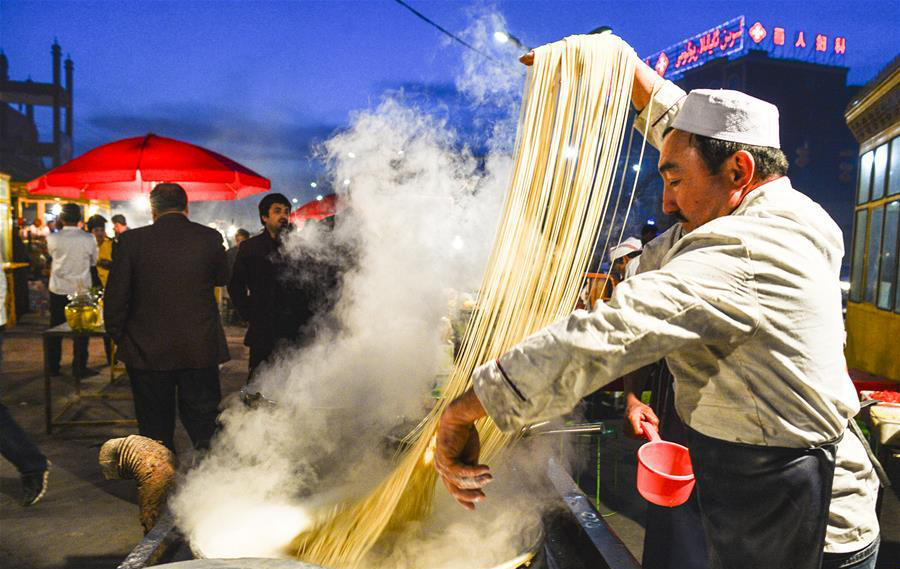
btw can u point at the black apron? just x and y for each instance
(674, 537)
(762, 507)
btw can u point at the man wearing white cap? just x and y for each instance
(621, 257)
(745, 306)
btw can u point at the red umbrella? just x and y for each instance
(316, 209)
(123, 169)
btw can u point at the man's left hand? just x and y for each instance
(458, 447)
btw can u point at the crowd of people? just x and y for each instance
(162, 313)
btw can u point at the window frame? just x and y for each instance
(884, 228)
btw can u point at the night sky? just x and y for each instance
(263, 81)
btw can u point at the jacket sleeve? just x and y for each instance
(116, 299)
(659, 113)
(703, 294)
(238, 285)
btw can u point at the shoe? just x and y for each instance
(86, 372)
(54, 372)
(34, 486)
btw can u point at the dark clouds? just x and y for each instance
(207, 126)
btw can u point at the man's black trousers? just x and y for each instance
(197, 393)
(58, 304)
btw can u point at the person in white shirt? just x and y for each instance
(622, 256)
(74, 252)
(746, 308)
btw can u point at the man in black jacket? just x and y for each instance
(161, 310)
(268, 294)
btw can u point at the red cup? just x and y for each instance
(665, 476)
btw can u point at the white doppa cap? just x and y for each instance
(626, 247)
(729, 115)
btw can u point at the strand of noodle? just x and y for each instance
(637, 173)
(542, 246)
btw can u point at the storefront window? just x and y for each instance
(880, 173)
(888, 278)
(865, 177)
(894, 174)
(873, 256)
(859, 250)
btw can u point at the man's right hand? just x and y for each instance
(635, 412)
(644, 79)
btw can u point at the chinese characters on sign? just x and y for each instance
(728, 38)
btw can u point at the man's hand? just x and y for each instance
(458, 447)
(644, 79)
(635, 412)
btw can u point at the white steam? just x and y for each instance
(418, 218)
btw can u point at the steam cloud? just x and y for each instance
(420, 213)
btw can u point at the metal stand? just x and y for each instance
(63, 331)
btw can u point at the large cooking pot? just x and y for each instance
(242, 563)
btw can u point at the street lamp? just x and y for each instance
(501, 36)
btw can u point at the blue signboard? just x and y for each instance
(737, 36)
(719, 41)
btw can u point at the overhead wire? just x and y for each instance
(443, 30)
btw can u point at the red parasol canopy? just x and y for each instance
(132, 166)
(316, 209)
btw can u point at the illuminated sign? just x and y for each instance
(724, 39)
(727, 39)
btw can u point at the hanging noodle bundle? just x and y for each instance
(570, 131)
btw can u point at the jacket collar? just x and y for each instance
(172, 217)
(756, 195)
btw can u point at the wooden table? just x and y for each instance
(63, 331)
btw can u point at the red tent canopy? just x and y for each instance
(132, 166)
(316, 209)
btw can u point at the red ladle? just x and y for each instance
(665, 476)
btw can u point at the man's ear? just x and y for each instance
(741, 169)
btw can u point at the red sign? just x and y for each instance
(727, 40)
(778, 36)
(662, 64)
(757, 32)
(840, 45)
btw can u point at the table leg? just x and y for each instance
(48, 398)
(112, 360)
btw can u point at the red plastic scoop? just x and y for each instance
(665, 476)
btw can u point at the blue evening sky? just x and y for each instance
(262, 81)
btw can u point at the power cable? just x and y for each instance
(443, 30)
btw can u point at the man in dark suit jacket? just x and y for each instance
(275, 295)
(161, 310)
